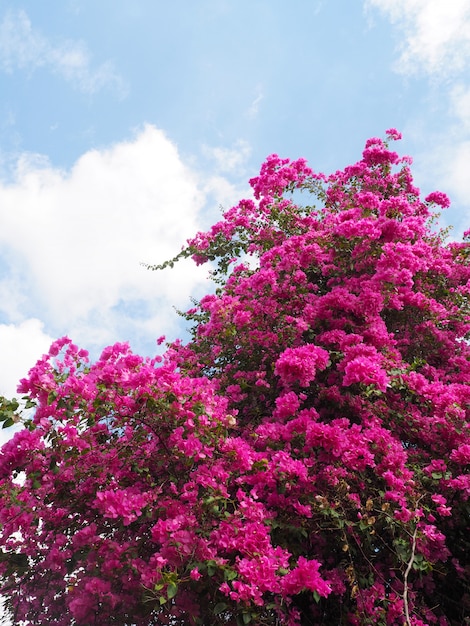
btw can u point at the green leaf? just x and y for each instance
(171, 590)
(8, 410)
(8, 406)
(230, 574)
(220, 607)
(29, 404)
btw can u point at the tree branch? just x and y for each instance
(405, 577)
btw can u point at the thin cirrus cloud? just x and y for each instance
(72, 243)
(434, 35)
(254, 107)
(24, 48)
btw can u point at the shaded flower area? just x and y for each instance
(302, 460)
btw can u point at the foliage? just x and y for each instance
(302, 460)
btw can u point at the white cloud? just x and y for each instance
(229, 159)
(224, 193)
(72, 241)
(435, 35)
(21, 345)
(435, 41)
(22, 47)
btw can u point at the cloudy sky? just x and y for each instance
(126, 124)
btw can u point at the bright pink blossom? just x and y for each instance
(300, 365)
(366, 371)
(302, 459)
(305, 576)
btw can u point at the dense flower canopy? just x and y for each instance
(303, 459)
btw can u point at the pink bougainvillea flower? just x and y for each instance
(302, 459)
(300, 365)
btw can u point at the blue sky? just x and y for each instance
(125, 124)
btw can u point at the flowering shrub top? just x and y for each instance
(302, 460)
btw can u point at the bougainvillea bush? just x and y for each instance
(303, 459)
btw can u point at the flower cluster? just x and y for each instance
(300, 365)
(303, 459)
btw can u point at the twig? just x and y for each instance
(405, 577)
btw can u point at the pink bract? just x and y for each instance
(303, 459)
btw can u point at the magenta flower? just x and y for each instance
(300, 365)
(302, 459)
(305, 576)
(366, 371)
(439, 198)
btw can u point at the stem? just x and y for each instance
(405, 577)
